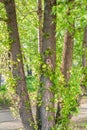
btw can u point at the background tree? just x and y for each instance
(84, 61)
(40, 18)
(67, 51)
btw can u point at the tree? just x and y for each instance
(53, 85)
(17, 67)
(40, 17)
(68, 47)
(84, 57)
(67, 54)
(84, 61)
(47, 114)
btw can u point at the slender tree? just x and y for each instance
(67, 54)
(84, 56)
(40, 17)
(47, 115)
(68, 48)
(84, 61)
(17, 67)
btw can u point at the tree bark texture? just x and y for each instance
(40, 17)
(84, 56)
(67, 55)
(17, 67)
(47, 116)
(84, 63)
(68, 47)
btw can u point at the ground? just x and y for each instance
(8, 122)
(78, 122)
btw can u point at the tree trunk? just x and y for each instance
(84, 63)
(68, 47)
(66, 64)
(84, 56)
(17, 68)
(47, 115)
(66, 58)
(40, 17)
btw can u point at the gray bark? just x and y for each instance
(40, 17)
(84, 63)
(84, 56)
(47, 116)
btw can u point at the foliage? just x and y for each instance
(28, 30)
(4, 99)
(32, 83)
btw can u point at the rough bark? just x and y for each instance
(84, 63)
(84, 56)
(40, 17)
(40, 26)
(47, 116)
(17, 68)
(67, 56)
(68, 48)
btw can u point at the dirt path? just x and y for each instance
(79, 122)
(8, 122)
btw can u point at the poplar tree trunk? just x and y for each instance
(84, 56)
(66, 65)
(84, 63)
(40, 18)
(47, 115)
(18, 68)
(68, 47)
(67, 57)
